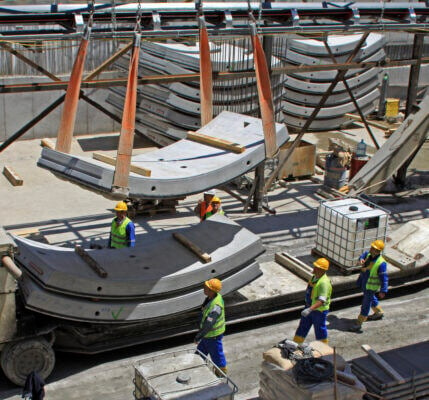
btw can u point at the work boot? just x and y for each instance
(375, 317)
(223, 369)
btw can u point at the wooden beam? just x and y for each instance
(12, 176)
(372, 123)
(382, 363)
(112, 161)
(206, 258)
(47, 143)
(215, 142)
(90, 262)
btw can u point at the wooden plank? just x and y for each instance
(382, 363)
(90, 262)
(26, 232)
(193, 247)
(47, 143)
(112, 161)
(12, 176)
(215, 142)
(369, 122)
(294, 265)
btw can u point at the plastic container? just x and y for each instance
(335, 173)
(361, 149)
(356, 164)
(392, 108)
(346, 228)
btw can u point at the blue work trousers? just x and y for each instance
(214, 347)
(369, 300)
(318, 320)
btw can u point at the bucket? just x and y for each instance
(356, 164)
(392, 108)
(335, 173)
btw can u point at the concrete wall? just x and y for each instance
(17, 109)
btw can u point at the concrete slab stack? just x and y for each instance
(409, 361)
(303, 90)
(167, 111)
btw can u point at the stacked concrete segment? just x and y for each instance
(304, 90)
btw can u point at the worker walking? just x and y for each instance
(204, 206)
(373, 281)
(122, 230)
(212, 324)
(317, 301)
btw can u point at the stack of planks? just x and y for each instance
(402, 373)
(277, 380)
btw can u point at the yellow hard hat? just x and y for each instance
(121, 206)
(378, 244)
(216, 200)
(322, 263)
(214, 284)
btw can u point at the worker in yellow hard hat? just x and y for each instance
(373, 281)
(216, 207)
(122, 230)
(205, 206)
(317, 301)
(212, 324)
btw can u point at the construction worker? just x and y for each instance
(373, 281)
(215, 209)
(317, 301)
(204, 206)
(212, 324)
(122, 231)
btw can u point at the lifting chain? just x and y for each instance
(138, 27)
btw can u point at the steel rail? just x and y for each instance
(151, 79)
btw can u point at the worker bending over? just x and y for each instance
(212, 324)
(373, 281)
(317, 301)
(204, 206)
(122, 230)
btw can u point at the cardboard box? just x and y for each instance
(301, 162)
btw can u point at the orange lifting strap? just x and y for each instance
(68, 117)
(206, 84)
(126, 138)
(264, 94)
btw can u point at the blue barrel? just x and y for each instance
(335, 173)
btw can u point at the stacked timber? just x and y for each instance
(163, 275)
(304, 90)
(165, 112)
(277, 379)
(402, 373)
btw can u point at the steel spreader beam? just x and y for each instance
(181, 19)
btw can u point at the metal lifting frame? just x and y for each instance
(65, 21)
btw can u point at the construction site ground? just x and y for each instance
(47, 208)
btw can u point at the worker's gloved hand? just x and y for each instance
(306, 312)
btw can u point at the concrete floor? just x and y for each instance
(66, 214)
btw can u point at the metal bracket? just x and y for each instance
(79, 23)
(156, 21)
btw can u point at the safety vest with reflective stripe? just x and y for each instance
(219, 327)
(118, 234)
(210, 213)
(205, 208)
(373, 282)
(315, 293)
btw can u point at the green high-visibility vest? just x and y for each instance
(322, 282)
(118, 234)
(373, 282)
(210, 213)
(219, 327)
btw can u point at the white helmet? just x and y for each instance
(211, 192)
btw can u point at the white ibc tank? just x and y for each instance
(345, 228)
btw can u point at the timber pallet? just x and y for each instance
(342, 268)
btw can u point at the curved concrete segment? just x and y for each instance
(180, 169)
(81, 309)
(157, 267)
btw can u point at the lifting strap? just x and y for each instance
(206, 84)
(126, 138)
(68, 117)
(264, 94)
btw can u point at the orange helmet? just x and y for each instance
(322, 263)
(378, 244)
(214, 284)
